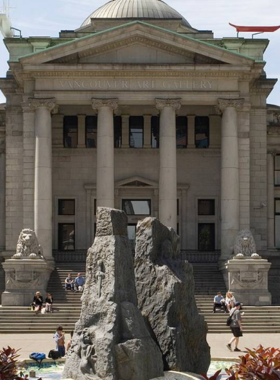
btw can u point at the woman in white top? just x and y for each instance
(230, 301)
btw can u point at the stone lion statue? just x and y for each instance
(28, 246)
(244, 245)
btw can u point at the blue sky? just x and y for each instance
(47, 18)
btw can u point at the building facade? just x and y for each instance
(138, 110)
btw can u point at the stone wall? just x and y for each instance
(14, 170)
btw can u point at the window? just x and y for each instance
(136, 131)
(277, 223)
(137, 206)
(66, 207)
(181, 132)
(91, 131)
(206, 207)
(206, 236)
(202, 132)
(117, 131)
(155, 132)
(277, 170)
(70, 131)
(66, 236)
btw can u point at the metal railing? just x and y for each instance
(192, 256)
(70, 256)
(200, 256)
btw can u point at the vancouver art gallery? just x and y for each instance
(138, 110)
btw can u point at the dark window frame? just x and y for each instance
(117, 139)
(94, 117)
(275, 214)
(138, 200)
(276, 170)
(155, 137)
(60, 243)
(132, 127)
(65, 133)
(204, 200)
(196, 126)
(60, 206)
(178, 118)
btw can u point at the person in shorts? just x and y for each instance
(235, 326)
(59, 338)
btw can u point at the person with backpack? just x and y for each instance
(235, 326)
(59, 338)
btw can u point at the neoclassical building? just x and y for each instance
(138, 110)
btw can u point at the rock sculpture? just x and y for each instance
(245, 245)
(28, 245)
(111, 340)
(165, 290)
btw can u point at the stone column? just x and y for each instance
(229, 175)
(168, 165)
(105, 179)
(28, 165)
(184, 219)
(2, 188)
(43, 174)
(270, 200)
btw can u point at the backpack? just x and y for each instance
(54, 355)
(37, 356)
(229, 320)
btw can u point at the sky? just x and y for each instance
(47, 18)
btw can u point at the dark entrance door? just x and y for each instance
(206, 236)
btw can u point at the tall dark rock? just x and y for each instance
(165, 291)
(111, 340)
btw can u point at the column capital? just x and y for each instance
(222, 104)
(98, 103)
(173, 103)
(34, 104)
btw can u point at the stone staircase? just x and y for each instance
(208, 281)
(67, 307)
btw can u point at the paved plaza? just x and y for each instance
(45, 342)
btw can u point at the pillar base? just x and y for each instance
(247, 279)
(23, 278)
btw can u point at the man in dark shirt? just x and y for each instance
(236, 326)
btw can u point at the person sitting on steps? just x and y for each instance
(230, 301)
(37, 302)
(79, 283)
(69, 282)
(219, 302)
(49, 303)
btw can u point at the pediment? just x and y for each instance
(136, 42)
(136, 182)
(137, 50)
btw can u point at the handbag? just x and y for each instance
(229, 319)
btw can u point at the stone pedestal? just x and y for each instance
(23, 278)
(247, 279)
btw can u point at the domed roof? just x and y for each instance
(137, 9)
